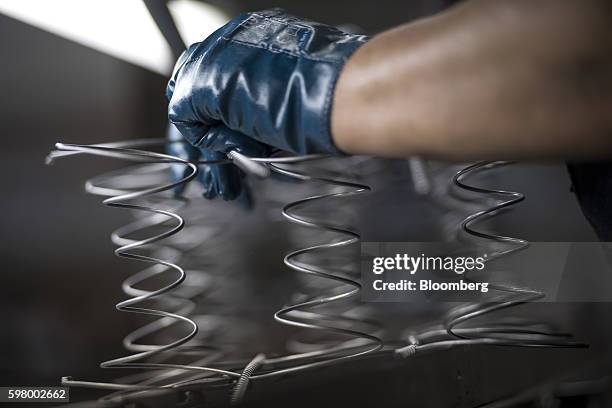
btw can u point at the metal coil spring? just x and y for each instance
(349, 312)
(184, 299)
(300, 314)
(360, 341)
(129, 248)
(506, 332)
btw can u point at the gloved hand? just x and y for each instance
(218, 180)
(264, 76)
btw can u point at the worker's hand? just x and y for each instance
(218, 180)
(266, 76)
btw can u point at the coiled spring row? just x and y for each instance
(360, 342)
(361, 337)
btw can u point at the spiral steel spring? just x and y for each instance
(350, 312)
(300, 314)
(361, 342)
(182, 300)
(507, 332)
(128, 249)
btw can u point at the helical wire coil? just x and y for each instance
(182, 300)
(128, 250)
(298, 314)
(508, 332)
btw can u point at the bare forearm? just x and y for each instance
(489, 79)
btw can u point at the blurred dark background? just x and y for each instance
(60, 280)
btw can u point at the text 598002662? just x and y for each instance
(34, 394)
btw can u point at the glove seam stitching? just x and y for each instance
(299, 55)
(295, 22)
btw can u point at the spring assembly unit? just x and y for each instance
(164, 260)
(508, 331)
(339, 333)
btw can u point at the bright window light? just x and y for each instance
(196, 20)
(121, 28)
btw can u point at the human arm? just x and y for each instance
(489, 79)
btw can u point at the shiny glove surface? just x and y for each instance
(266, 76)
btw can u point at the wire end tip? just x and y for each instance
(248, 165)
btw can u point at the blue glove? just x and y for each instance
(218, 180)
(264, 76)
